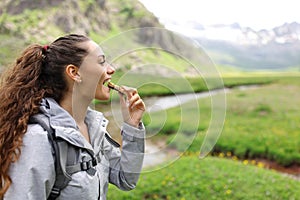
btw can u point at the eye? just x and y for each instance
(101, 60)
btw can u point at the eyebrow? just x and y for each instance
(102, 56)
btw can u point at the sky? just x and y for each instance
(256, 14)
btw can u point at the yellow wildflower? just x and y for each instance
(221, 155)
(234, 158)
(228, 154)
(260, 164)
(245, 162)
(228, 192)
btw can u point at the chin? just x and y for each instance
(106, 98)
(102, 97)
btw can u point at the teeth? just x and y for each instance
(111, 85)
(106, 82)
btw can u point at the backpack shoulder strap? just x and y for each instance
(64, 153)
(59, 151)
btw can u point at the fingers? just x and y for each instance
(132, 96)
(139, 104)
(135, 100)
(123, 100)
(128, 91)
(132, 106)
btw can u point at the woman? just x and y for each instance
(59, 81)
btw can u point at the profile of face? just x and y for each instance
(94, 72)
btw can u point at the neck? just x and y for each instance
(76, 106)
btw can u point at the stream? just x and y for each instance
(153, 104)
(155, 154)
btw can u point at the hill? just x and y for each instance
(126, 21)
(246, 48)
(47, 19)
(26, 22)
(274, 49)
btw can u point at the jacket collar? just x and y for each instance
(66, 127)
(58, 116)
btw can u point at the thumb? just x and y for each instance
(123, 100)
(124, 107)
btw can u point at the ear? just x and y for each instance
(72, 72)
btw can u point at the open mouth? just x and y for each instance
(105, 83)
(115, 87)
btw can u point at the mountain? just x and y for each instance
(121, 27)
(245, 48)
(23, 22)
(34, 21)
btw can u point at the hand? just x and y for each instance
(132, 106)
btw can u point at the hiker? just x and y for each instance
(53, 145)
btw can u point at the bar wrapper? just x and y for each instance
(115, 87)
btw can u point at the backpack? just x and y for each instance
(64, 155)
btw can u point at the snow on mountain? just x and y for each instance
(234, 33)
(244, 47)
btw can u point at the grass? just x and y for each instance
(11, 51)
(210, 178)
(268, 121)
(260, 123)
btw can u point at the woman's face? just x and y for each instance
(95, 71)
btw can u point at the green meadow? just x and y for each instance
(261, 123)
(210, 178)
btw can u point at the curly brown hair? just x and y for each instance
(37, 73)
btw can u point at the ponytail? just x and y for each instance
(20, 97)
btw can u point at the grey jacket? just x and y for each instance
(33, 174)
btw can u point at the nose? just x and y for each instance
(110, 69)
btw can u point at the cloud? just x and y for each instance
(256, 14)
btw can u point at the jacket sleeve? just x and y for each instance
(33, 173)
(126, 165)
